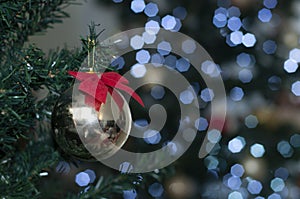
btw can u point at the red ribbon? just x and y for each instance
(96, 88)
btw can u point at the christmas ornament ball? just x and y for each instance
(86, 134)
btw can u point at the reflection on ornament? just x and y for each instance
(85, 133)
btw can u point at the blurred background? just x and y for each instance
(255, 45)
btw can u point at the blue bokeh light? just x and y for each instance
(234, 183)
(274, 196)
(156, 190)
(235, 195)
(157, 59)
(285, 149)
(91, 174)
(136, 42)
(186, 97)
(236, 144)
(182, 65)
(249, 40)
(207, 95)
(170, 61)
(138, 70)
(270, 3)
(168, 22)
(254, 187)
(152, 136)
(151, 9)
(277, 184)
(129, 194)
(118, 63)
(188, 46)
(282, 173)
(290, 66)
(180, 12)
(236, 94)
(295, 54)
(269, 47)
(82, 179)
(157, 92)
(142, 56)
(233, 11)
(201, 124)
(251, 121)
(295, 140)
(164, 48)
(265, 15)
(234, 23)
(220, 20)
(152, 27)
(149, 38)
(244, 59)
(138, 6)
(236, 37)
(237, 170)
(257, 150)
(214, 136)
(211, 162)
(245, 75)
(296, 88)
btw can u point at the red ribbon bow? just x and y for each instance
(96, 88)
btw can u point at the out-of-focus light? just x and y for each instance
(269, 47)
(251, 121)
(221, 10)
(234, 23)
(142, 56)
(149, 38)
(136, 42)
(274, 83)
(188, 46)
(151, 9)
(277, 184)
(254, 187)
(129, 194)
(236, 37)
(201, 124)
(249, 40)
(125, 167)
(186, 97)
(236, 94)
(245, 76)
(91, 174)
(214, 136)
(168, 22)
(220, 20)
(182, 65)
(152, 136)
(235, 195)
(290, 66)
(210, 68)
(265, 15)
(295, 140)
(152, 27)
(282, 173)
(180, 12)
(234, 183)
(274, 196)
(295, 54)
(270, 3)
(285, 149)
(117, 1)
(138, 70)
(296, 88)
(157, 92)
(157, 59)
(257, 150)
(170, 61)
(237, 170)
(211, 162)
(156, 190)
(233, 12)
(236, 144)
(118, 63)
(164, 48)
(82, 179)
(138, 6)
(243, 59)
(177, 26)
(207, 95)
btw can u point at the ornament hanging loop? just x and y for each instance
(91, 53)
